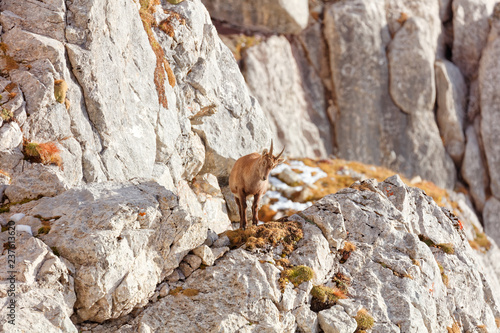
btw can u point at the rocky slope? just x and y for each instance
(404, 84)
(121, 120)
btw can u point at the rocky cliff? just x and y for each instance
(120, 122)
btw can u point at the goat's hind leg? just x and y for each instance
(243, 210)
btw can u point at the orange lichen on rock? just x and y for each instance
(146, 12)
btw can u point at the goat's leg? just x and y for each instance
(243, 216)
(255, 208)
(240, 211)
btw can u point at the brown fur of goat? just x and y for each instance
(250, 176)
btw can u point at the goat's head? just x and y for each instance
(268, 162)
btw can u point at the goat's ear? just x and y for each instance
(264, 152)
(280, 160)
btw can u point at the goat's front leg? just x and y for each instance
(255, 208)
(243, 210)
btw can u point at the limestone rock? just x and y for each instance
(333, 228)
(451, 101)
(44, 288)
(470, 33)
(411, 61)
(491, 214)
(336, 320)
(307, 320)
(282, 17)
(282, 97)
(128, 237)
(209, 194)
(190, 264)
(368, 126)
(489, 72)
(37, 180)
(46, 18)
(206, 255)
(245, 293)
(474, 170)
(10, 136)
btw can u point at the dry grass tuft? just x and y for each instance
(346, 251)
(337, 179)
(365, 320)
(325, 297)
(186, 292)
(480, 240)
(6, 115)
(43, 230)
(447, 248)
(444, 277)
(497, 321)
(269, 234)
(45, 153)
(296, 275)
(342, 281)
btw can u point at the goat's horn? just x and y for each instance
(271, 150)
(281, 152)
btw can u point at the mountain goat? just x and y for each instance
(249, 176)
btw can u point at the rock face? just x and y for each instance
(490, 110)
(470, 28)
(103, 122)
(274, 79)
(491, 219)
(403, 282)
(451, 101)
(389, 136)
(283, 17)
(473, 169)
(121, 240)
(44, 288)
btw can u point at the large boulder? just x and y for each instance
(122, 240)
(489, 79)
(282, 17)
(274, 79)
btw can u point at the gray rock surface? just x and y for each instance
(44, 288)
(489, 72)
(127, 237)
(491, 218)
(273, 77)
(369, 126)
(470, 33)
(336, 320)
(282, 17)
(411, 61)
(452, 101)
(474, 170)
(36, 181)
(402, 282)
